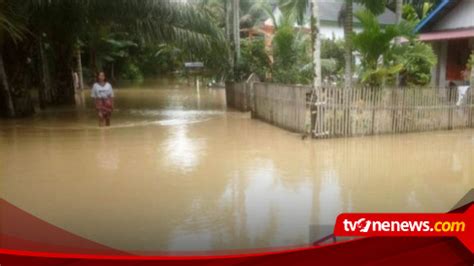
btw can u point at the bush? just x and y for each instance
(417, 60)
(292, 56)
(254, 59)
(131, 72)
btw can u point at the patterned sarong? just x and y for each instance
(104, 107)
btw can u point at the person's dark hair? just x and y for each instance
(98, 74)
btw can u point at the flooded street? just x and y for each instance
(178, 171)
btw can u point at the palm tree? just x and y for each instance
(11, 28)
(236, 28)
(6, 88)
(375, 46)
(376, 7)
(348, 45)
(315, 25)
(398, 11)
(61, 24)
(298, 9)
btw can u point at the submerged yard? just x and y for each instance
(179, 171)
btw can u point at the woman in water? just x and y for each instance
(103, 94)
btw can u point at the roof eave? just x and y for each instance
(433, 14)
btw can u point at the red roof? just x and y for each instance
(447, 35)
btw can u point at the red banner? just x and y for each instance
(460, 225)
(26, 240)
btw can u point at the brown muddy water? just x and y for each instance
(178, 171)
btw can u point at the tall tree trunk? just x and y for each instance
(228, 32)
(310, 120)
(398, 11)
(63, 80)
(6, 89)
(112, 72)
(79, 68)
(45, 96)
(348, 33)
(228, 20)
(398, 19)
(236, 28)
(348, 45)
(315, 24)
(93, 60)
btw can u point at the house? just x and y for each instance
(330, 26)
(450, 29)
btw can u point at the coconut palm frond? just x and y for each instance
(298, 8)
(150, 20)
(10, 23)
(375, 6)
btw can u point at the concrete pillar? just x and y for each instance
(443, 64)
(435, 69)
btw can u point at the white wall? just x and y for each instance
(328, 31)
(462, 16)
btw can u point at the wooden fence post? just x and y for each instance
(450, 109)
(470, 104)
(372, 104)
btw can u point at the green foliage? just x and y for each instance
(291, 55)
(158, 59)
(296, 8)
(374, 41)
(376, 47)
(113, 49)
(254, 59)
(377, 7)
(417, 9)
(332, 57)
(10, 22)
(284, 55)
(470, 61)
(409, 13)
(415, 13)
(284, 50)
(470, 68)
(417, 60)
(132, 72)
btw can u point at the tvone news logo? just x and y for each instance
(364, 225)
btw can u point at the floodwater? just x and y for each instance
(178, 171)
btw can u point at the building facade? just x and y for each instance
(450, 30)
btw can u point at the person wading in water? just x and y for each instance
(103, 94)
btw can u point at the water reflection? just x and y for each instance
(180, 151)
(107, 154)
(179, 172)
(330, 200)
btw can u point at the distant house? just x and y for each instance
(329, 12)
(450, 30)
(330, 26)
